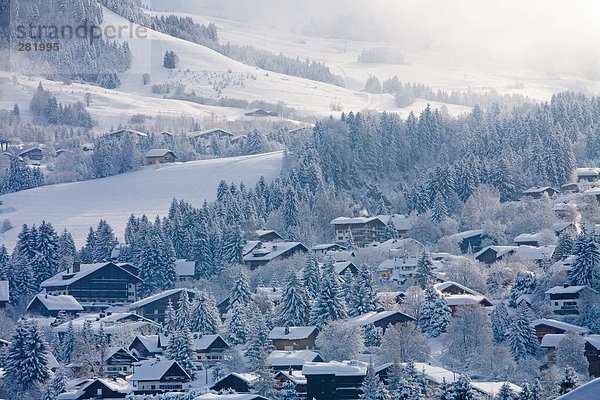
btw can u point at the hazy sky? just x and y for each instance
(557, 35)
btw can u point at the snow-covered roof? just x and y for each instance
(398, 244)
(157, 296)
(150, 342)
(247, 377)
(492, 388)
(230, 396)
(459, 237)
(587, 391)
(326, 246)
(295, 332)
(374, 316)
(205, 341)
(68, 277)
(443, 286)
(539, 189)
(152, 370)
(115, 349)
(269, 251)
(113, 323)
(250, 245)
(159, 153)
(340, 266)
(398, 262)
(209, 132)
(185, 268)
(340, 255)
(273, 293)
(565, 289)
(60, 302)
(563, 265)
(337, 368)
(561, 225)
(595, 191)
(464, 299)
(401, 222)
(354, 220)
(594, 340)
(131, 131)
(4, 291)
(499, 250)
(280, 358)
(528, 237)
(117, 385)
(536, 253)
(587, 171)
(295, 376)
(552, 340)
(559, 325)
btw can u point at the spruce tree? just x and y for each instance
(311, 275)
(288, 391)
(45, 262)
(362, 297)
(505, 393)
(232, 245)
(237, 324)
(349, 240)
(57, 385)
(439, 210)
(182, 316)
(525, 393)
(66, 250)
(205, 315)
(22, 284)
(564, 247)
(462, 389)
(86, 254)
(444, 391)
(434, 315)
(521, 337)
(524, 283)
(169, 323)
(105, 241)
(585, 269)
(329, 304)
(240, 293)
(257, 341)
(568, 381)
(180, 350)
(423, 271)
(372, 388)
(500, 322)
(295, 308)
(265, 384)
(68, 343)
(372, 335)
(26, 359)
(156, 262)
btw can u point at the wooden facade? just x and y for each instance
(160, 156)
(364, 230)
(155, 310)
(293, 342)
(120, 363)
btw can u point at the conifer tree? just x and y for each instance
(240, 293)
(349, 240)
(258, 337)
(104, 242)
(568, 381)
(311, 275)
(435, 313)
(265, 384)
(500, 322)
(462, 389)
(288, 391)
(180, 350)
(444, 391)
(505, 393)
(232, 245)
(586, 267)
(525, 393)
(86, 254)
(295, 308)
(66, 250)
(524, 283)
(372, 335)
(372, 388)
(57, 385)
(45, 262)
(390, 231)
(205, 315)
(169, 323)
(521, 337)
(22, 284)
(237, 324)
(156, 263)
(68, 344)
(362, 297)
(564, 246)
(26, 359)
(423, 272)
(439, 210)
(329, 304)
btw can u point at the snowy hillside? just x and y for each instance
(150, 190)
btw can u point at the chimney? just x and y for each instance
(76, 267)
(287, 330)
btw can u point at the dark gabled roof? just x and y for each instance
(159, 153)
(66, 277)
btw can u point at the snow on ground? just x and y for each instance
(77, 206)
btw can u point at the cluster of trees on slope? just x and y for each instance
(94, 61)
(435, 159)
(206, 35)
(20, 176)
(47, 110)
(406, 93)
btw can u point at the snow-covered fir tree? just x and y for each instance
(362, 297)
(521, 336)
(288, 391)
(435, 313)
(257, 341)
(311, 275)
(349, 240)
(232, 245)
(156, 263)
(586, 266)
(101, 346)
(372, 388)
(444, 391)
(329, 304)
(66, 250)
(390, 231)
(237, 324)
(86, 254)
(505, 393)
(57, 385)
(180, 350)
(525, 393)
(183, 314)
(568, 381)
(26, 360)
(423, 276)
(169, 323)
(265, 384)
(294, 307)
(564, 246)
(240, 292)
(500, 322)
(105, 241)
(205, 315)
(372, 335)
(439, 209)
(525, 283)
(462, 389)
(46, 260)
(68, 343)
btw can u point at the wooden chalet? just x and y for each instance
(281, 360)
(566, 299)
(209, 348)
(325, 247)
(587, 174)
(100, 283)
(154, 307)
(4, 294)
(159, 156)
(121, 133)
(267, 235)
(381, 319)
(547, 326)
(97, 388)
(209, 134)
(365, 230)
(471, 241)
(239, 382)
(550, 342)
(119, 362)
(159, 376)
(32, 153)
(294, 337)
(259, 112)
(539, 191)
(146, 346)
(49, 306)
(267, 252)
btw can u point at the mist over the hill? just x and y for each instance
(550, 35)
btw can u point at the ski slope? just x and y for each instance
(77, 206)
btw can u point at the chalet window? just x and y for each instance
(152, 387)
(98, 392)
(556, 303)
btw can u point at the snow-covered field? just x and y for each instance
(77, 206)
